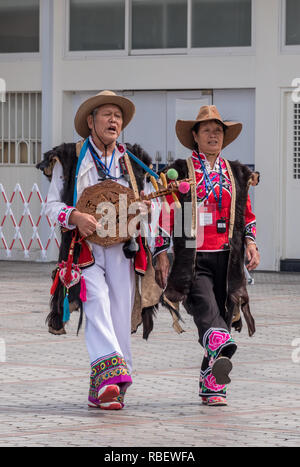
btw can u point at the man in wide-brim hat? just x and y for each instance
(100, 281)
(207, 276)
(88, 108)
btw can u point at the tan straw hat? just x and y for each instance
(206, 113)
(104, 97)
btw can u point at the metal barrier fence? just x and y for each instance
(29, 239)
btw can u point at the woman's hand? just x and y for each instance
(86, 223)
(252, 255)
(162, 269)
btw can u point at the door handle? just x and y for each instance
(158, 159)
(170, 157)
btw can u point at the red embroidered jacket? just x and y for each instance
(208, 238)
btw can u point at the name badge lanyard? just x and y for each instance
(101, 165)
(208, 181)
(80, 159)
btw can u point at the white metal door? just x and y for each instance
(153, 126)
(78, 99)
(291, 182)
(238, 105)
(149, 125)
(182, 105)
(154, 123)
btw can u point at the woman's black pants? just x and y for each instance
(206, 303)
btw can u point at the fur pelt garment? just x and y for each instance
(66, 155)
(183, 268)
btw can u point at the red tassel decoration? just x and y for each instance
(140, 260)
(68, 275)
(55, 282)
(82, 295)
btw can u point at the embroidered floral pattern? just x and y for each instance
(250, 230)
(208, 386)
(214, 341)
(159, 241)
(63, 216)
(214, 175)
(162, 242)
(111, 369)
(208, 237)
(210, 383)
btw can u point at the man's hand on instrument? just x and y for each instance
(162, 269)
(144, 205)
(86, 223)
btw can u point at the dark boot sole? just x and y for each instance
(221, 369)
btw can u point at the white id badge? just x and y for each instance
(207, 215)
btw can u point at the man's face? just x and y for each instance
(107, 122)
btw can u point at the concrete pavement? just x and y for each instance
(44, 378)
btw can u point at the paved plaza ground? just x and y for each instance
(44, 378)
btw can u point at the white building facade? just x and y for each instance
(170, 57)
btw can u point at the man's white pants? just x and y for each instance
(110, 287)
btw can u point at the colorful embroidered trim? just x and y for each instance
(162, 241)
(208, 386)
(63, 216)
(214, 175)
(250, 230)
(214, 341)
(111, 369)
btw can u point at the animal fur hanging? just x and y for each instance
(183, 268)
(67, 155)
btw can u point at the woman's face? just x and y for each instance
(209, 137)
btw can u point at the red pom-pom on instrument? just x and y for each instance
(184, 187)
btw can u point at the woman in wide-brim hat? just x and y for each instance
(208, 278)
(207, 113)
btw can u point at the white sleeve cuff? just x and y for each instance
(63, 217)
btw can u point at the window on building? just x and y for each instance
(152, 26)
(159, 24)
(221, 23)
(19, 26)
(97, 25)
(20, 128)
(292, 22)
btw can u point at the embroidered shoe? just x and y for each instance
(221, 369)
(121, 398)
(108, 393)
(216, 401)
(112, 405)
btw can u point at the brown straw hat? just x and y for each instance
(206, 113)
(104, 97)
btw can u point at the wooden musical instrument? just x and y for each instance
(112, 206)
